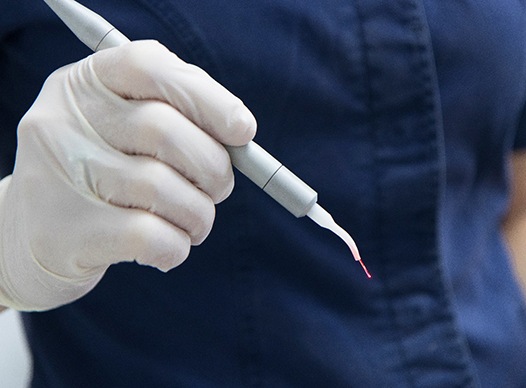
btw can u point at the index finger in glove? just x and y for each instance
(147, 70)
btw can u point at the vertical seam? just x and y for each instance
(376, 165)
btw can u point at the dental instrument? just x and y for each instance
(251, 159)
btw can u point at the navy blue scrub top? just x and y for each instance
(401, 114)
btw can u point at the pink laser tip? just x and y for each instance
(365, 269)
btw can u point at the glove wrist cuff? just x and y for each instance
(24, 284)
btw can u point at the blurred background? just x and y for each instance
(15, 364)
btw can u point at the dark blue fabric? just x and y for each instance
(401, 114)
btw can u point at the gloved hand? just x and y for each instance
(119, 159)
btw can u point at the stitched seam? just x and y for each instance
(393, 326)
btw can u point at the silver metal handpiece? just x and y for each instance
(91, 28)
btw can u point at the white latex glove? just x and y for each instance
(119, 159)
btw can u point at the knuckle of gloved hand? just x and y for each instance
(138, 60)
(142, 54)
(150, 119)
(217, 175)
(149, 179)
(30, 124)
(196, 208)
(241, 124)
(34, 128)
(57, 77)
(39, 116)
(174, 258)
(193, 211)
(158, 244)
(201, 218)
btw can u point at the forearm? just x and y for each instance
(514, 224)
(515, 234)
